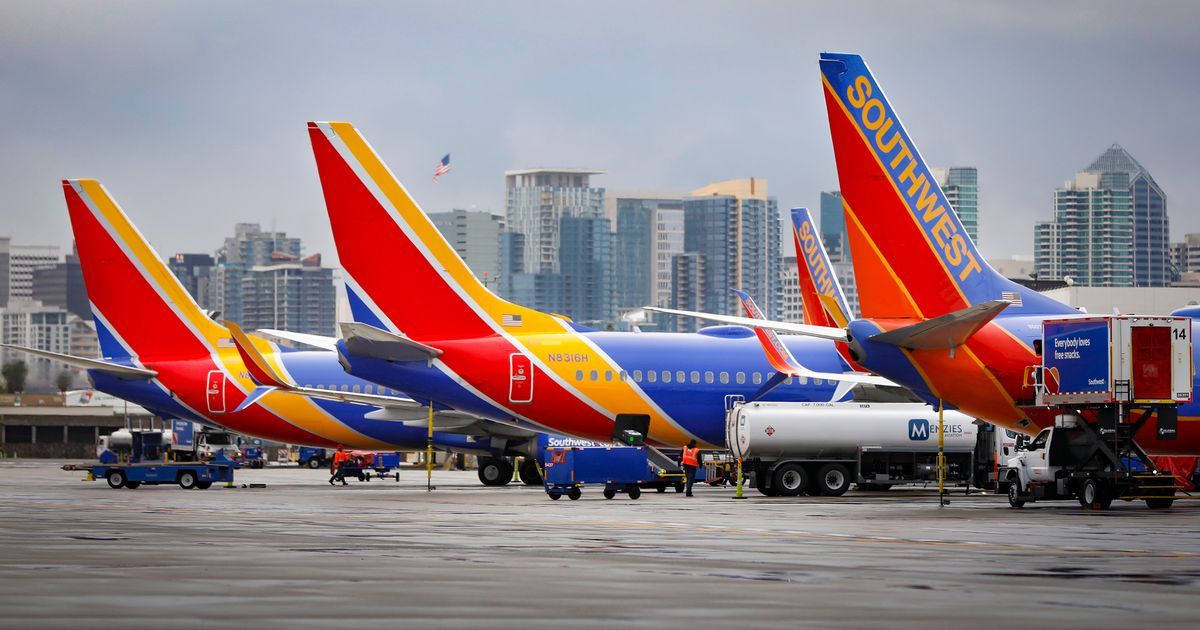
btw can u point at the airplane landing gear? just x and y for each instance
(495, 472)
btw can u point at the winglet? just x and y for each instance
(258, 366)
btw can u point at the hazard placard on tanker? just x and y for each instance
(1106, 359)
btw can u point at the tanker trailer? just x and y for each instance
(795, 448)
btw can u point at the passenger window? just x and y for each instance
(608, 376)
(758, 378)
(741, 378)
(637, 376)
(803, 380)
(624, 375)
(579, 375)
(680, 377)
(708, 377)
(595, 376)
(345, 388)
(651, 375)
(724, 378)
(666, 376)
(357, 388)
(695, 376)
(320, 386)
(817, 381)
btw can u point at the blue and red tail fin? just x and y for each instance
(140, 307)
(912, 256)
(821, 296)
(380, 232)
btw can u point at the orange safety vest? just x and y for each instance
(691, 456)
(339, 457)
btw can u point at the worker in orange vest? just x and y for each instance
(338, 467)
(689, 458)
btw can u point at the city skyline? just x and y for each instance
(207, 131)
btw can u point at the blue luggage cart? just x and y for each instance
(618, 468)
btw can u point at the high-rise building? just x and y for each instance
(1090, 240)
(735, 226)
(833, 226)
(534, 202)
(62, 285)
(290, 294)
(475, 236)
(22, 260)
(649, 232)
(793, 302)
(193, 271)
(961, 185)
(1186, 254)
(31, 324)
(1151, 228)
(5, 246)
(259, 280)
(544, 206)
(687, 291)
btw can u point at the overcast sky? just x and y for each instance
(192, 114)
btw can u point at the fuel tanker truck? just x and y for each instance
(794, 448)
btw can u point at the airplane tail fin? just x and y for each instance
(140, 307)
(380, 231)
(912, 256)
(821, 296)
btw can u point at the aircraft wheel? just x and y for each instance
(494, 472)
(187, 480)
(833, 480)
(789, 479)
(529, 473)
(574, 493)
(116, 479)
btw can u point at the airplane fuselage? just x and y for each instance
(683, 380)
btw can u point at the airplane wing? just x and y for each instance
(100, 365)
(784, 362)
(947, 331)
(820, 332)
(316, 341)
(369, 341)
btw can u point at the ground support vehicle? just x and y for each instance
(618, 468)
(145, 463)
(791, 448)
(362, 465)
(1107, 376)
(312, 457)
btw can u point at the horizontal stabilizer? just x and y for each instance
(820, 332)
(365, 340)
(261, 371)
(316, 341)
(100, 365)
(947, 331)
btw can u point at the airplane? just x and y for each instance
(161, 351)
(935, 317)
(425, 325)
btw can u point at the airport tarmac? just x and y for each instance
(300, 553)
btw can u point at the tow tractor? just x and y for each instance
(1107, 377)
(146, 462)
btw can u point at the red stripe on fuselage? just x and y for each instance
(391, 269)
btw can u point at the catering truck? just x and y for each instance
(794, 448)
(1108, 377)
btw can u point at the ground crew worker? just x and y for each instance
(690, 460)
(338, 468)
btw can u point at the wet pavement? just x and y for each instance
(300, 553)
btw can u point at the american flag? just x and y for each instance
(1011, 297)
(442, 167)
(510, 321)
